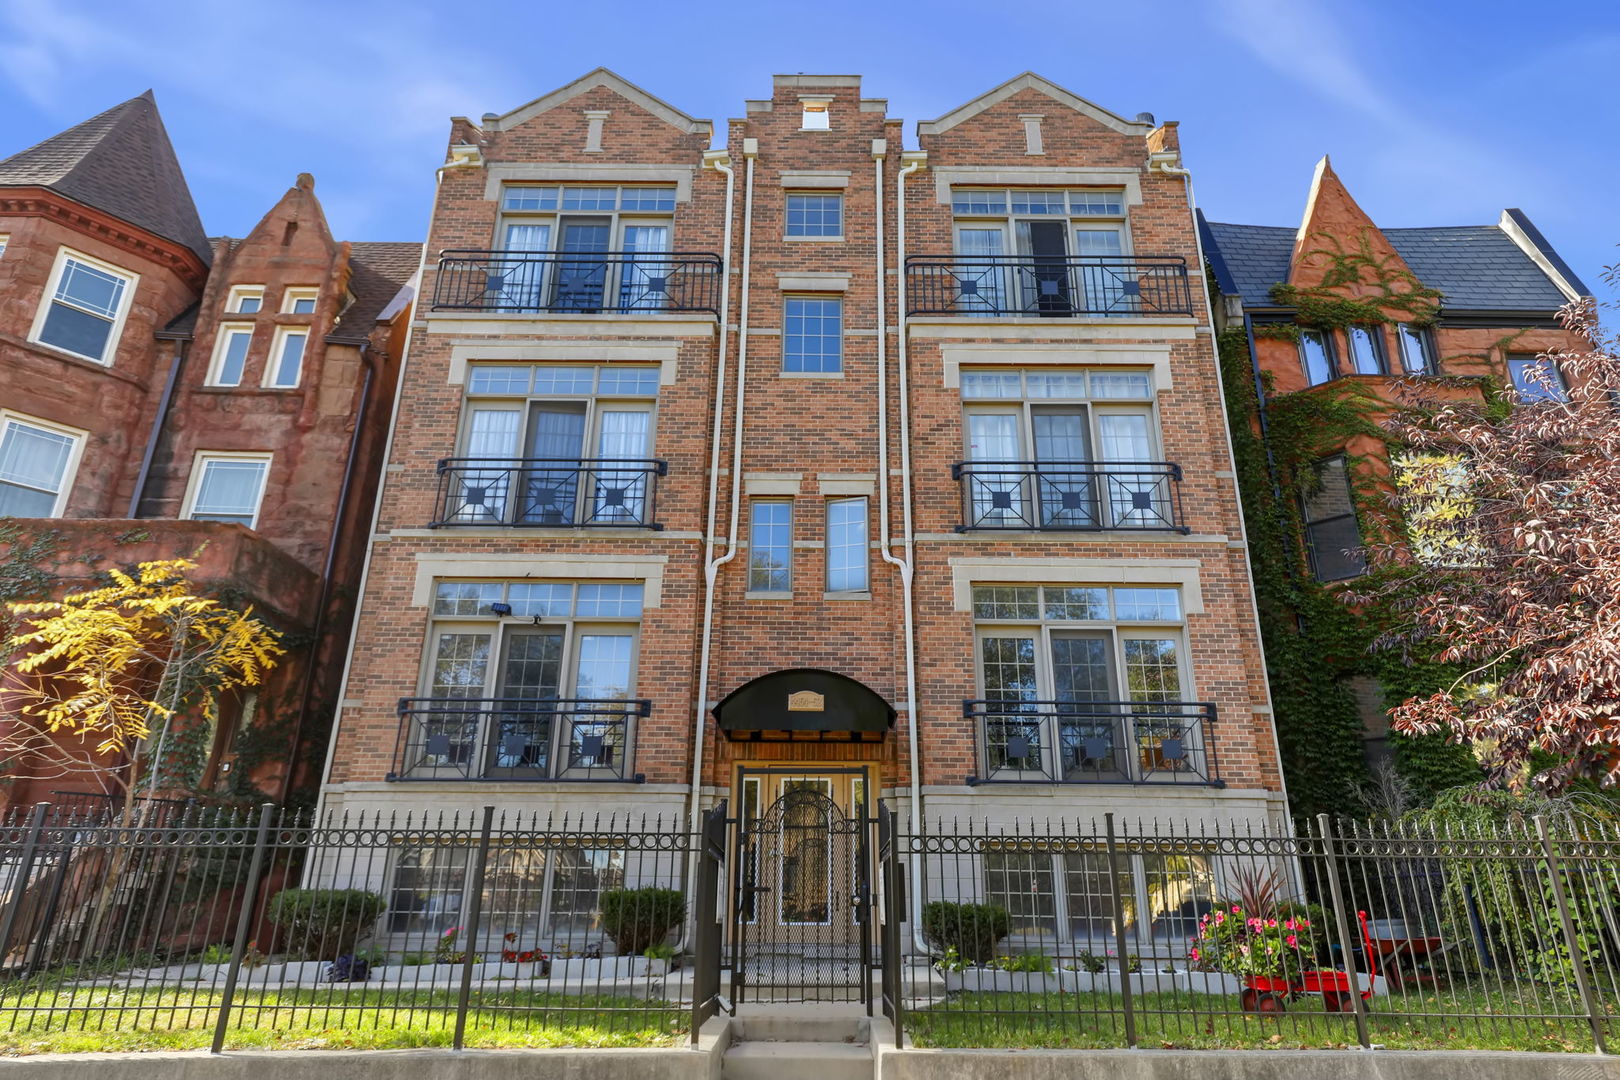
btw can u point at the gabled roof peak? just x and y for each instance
(1031, 81)
(121, 162)
(590, 81)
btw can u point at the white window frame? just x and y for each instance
(295, 293)
(273, 362)
(70, 470)
(222, 340)
(199, 464)
(753, 589)
(865, 548)
(820, 193)
(788, 300)
(239, 293)
(5, 238)
(114, 334)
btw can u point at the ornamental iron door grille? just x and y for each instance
(801, 926)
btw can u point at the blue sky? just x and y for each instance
(1436, 112)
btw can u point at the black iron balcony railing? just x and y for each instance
(1099, 742)
(539, 492)
(516, 738)
(594, 283)
(1047, 285)
(1072, 495)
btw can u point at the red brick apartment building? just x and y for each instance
(163, 393)
(810, 461)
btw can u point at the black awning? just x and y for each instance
(819, 703)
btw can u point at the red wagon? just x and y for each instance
(1270, 995)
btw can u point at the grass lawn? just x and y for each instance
(1427, 1021)
(80, 1019)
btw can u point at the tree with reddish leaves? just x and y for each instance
(1507, 564)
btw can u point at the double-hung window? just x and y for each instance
(1332, 536)
(815, 216)
(813, 336)
(286, 364)
(575, 248)
(86, 301)
(1063, 449)
(554, 444)
(1085, 683)
(1071, 896)
(37, 463)
(227, 487)
(770, 546)
(230, 354)
(527, 680)
(1043, 251)
(1537, 378)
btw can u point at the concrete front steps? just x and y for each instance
(799, 1042)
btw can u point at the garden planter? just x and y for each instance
(1207, 982)
(991, 980)
(607, 969)
(521, 972)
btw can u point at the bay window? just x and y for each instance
(37, 462)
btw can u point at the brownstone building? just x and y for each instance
(810, 462)
(166, 395)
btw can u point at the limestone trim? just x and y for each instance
(525, 172)
(1031, 81)
(969, 571)
(815, 178)
(778, 484)
(813, 281)
(667, 356)
(431, 565)
(1018, 328)
(955, 355)
(1031, 175)
(847, 484)
(626, 89)
(517, 323)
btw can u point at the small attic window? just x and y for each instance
(816, 114)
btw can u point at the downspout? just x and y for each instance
(331, 560)
(157, 427)
(911, 162)
(720, 161)
(1164, 165)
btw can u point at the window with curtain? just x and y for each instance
(228, 488)
(36, 462)
(87, 300)
(581, 222)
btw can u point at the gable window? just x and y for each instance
(1085, 683)
(813, 336)
(770, 546)
(555, 444)
(816, 114)
(1316, 354)
(86, 305)
(815, 216)
(286, 358)
(1367, 350)
(543, 672)
(299, 301)
(227, 487)
(594, 248)
(1417, 349)
(1056, 448)
(1042, 251)
(1537, 378)
(1332, 536)
(245, 300)
(847, 555)
(230, 354)
(37, 463)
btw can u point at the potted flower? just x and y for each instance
(1268, 953)
(519, 963)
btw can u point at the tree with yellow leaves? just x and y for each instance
(101, 681)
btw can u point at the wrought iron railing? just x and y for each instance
(1076, 495)
(558, 492)
(1046, 285)
(1101, 742)
(516, 738)
(594, 283)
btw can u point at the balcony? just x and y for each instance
(516, 739)
(595, 283)
(1074, 496)
(1123, 286)
(1094, 742)
(588, 493)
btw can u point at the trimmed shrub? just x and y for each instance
(971, 929)
(638, 919)
(320, 923)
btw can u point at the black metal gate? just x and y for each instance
(801, 918)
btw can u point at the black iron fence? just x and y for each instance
(1047, 285)
(1094, 742)
(507, 739)
(584, 283)
(1070, 495)
(555, 492)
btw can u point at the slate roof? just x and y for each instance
(379, 269)
(120, 162)
(1477, 267)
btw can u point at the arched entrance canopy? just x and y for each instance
(804, 703)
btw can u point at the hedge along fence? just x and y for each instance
(240, 929)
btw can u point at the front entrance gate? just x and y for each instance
(801, 906)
